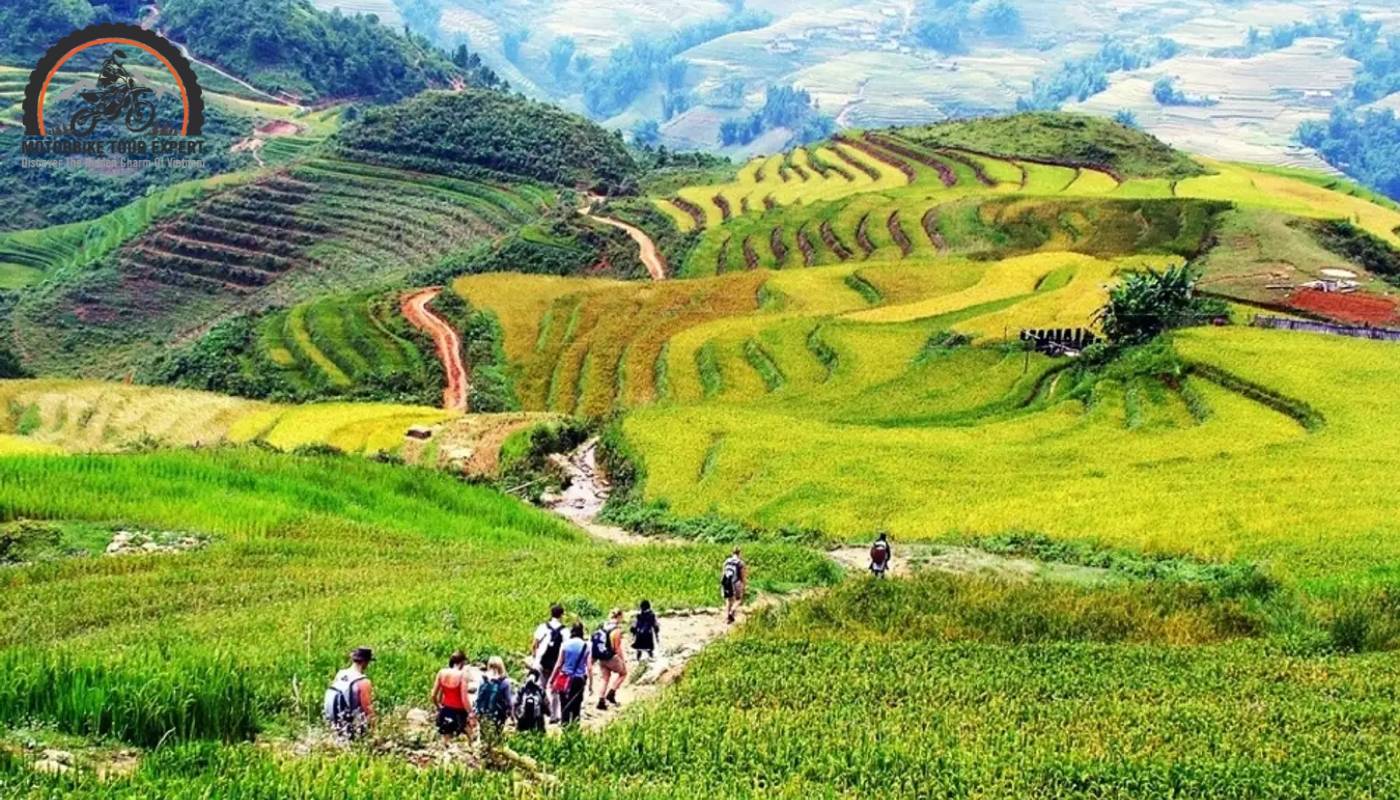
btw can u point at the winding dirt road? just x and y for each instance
(448, 344)
(648, 251)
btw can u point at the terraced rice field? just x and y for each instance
(589, 347)
(27, 256)
(919, 202)
(330, 214)
(935, 441)
(342, 341)
(76, 416)
(315, 227)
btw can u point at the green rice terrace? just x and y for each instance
(1147, 541)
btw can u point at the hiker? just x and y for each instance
(545, 648)
(531, 706)
(349, 704)
(880, 555)
(494, 702)
(451, 699)
(572, 675)
(646, 632)
(732, 580)
(607, 654)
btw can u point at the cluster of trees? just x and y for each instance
(1082, 78)
(942, 24)
(28, 28)
(632, 68)
(288, 45)
(1166, 92)
(474, 132)
(1364, 145)
(783, 107)
(1143, 305)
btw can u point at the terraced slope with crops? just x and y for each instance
(916, 199)
(315, 227)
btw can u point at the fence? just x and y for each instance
(1355, 331)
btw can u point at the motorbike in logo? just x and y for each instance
(117, 95)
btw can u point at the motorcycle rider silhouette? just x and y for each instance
(117, 93)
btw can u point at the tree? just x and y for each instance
(1001, 19)
(561, 55)
(1127, 118)
(646, 133)
(1146, 304)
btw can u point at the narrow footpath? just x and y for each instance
(447, 342)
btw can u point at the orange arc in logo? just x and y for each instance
(184, 96)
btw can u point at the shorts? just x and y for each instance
(614, 664)
(451, 721)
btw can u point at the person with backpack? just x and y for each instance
(880, 555)
(646, 632)
(451, 698)
(495, 704)
(349, 702)
(545, 648)
(573, 674)
(607, 654)
(531, 707)
(732, 580)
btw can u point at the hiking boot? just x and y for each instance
(602, 704)
(612, 698)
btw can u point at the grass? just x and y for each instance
(77, 416)
(367, 537)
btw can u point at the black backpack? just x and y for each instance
(602, 645)
(529, 714)
(645, 624)
(556, 644)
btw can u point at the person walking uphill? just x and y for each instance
(880, 555)
(733, 579)
(495, 704)
(545, 648)
(451, 698)
(573, 674)
(349, 703)
(607, 654)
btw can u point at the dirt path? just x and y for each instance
(448, 343)
(583, 500)
(648, 251)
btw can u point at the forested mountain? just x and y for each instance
(289, 46)
(476, 132)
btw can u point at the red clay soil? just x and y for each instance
(648, 251)
(446, 340)
(1361, 309)
(279, 127)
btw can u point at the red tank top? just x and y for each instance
(453, 685)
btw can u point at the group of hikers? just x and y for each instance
(559, 673)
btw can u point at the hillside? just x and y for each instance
(359, 211)
(291, 48)
(471, 133)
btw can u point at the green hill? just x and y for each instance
(472, 133)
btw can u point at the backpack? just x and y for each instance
(602, 645)
(556, 644)
(342, 701)
(730, 577)
(645, 624)
(529, 712)
(879, 554)
(491, 700)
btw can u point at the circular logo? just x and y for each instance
(115, 76)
